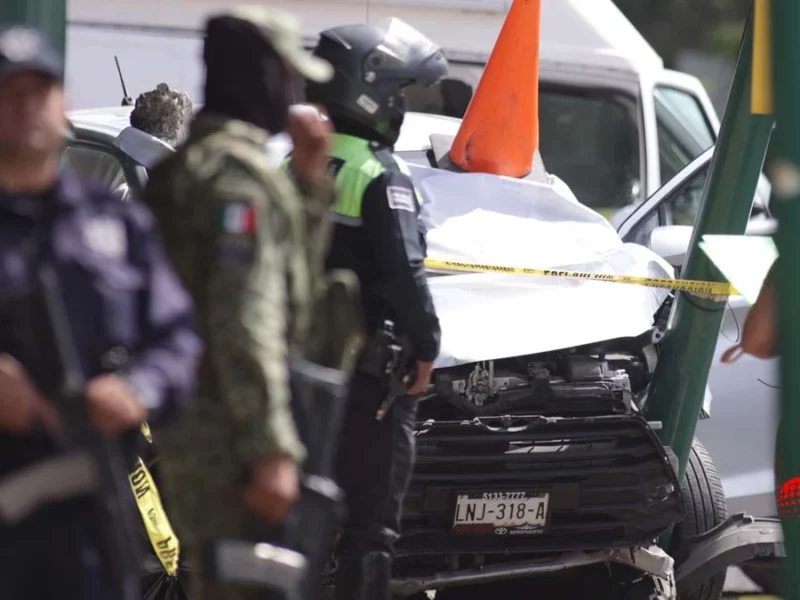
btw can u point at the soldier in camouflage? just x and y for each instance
(248, 241)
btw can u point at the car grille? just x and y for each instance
(609, 479)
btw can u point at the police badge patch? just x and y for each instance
(106, 236)
(400, 198)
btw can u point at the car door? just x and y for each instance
(740, 435)
(119, 162)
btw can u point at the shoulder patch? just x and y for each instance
(237, 218)
(236, 243)
(106, 236)
(400, 198)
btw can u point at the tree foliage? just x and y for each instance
(673, 25)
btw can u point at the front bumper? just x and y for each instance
(609, 480)
(650, 560)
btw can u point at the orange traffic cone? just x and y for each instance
(500, 130)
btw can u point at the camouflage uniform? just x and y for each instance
(248, 242)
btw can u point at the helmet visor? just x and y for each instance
(405, 54)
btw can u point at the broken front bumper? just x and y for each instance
(739, 539)
(650, 560)
(607, 479)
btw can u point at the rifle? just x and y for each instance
(91, 463)
(293, 563)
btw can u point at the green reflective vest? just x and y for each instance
(355, 163)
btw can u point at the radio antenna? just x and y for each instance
(126, 100)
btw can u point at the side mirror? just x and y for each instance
(671, 242)
(762, 196)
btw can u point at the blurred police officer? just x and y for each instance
(244, 238)
(377, 235)
(130, 316)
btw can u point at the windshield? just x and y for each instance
(591, 141)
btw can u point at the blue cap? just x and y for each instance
(23, 48)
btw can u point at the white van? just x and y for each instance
(614, 123)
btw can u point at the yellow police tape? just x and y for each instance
(159, 530)
(704, 289)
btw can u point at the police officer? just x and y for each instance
(244, 238)
(129, 314)
(377, 235)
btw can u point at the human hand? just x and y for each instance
(310, 130)
(274, 488)
(21, 405)
(113, 406)
(424, 370)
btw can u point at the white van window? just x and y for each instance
(684, 132)
(450, 97)
(588, 138)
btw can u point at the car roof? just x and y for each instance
(414, 134)
(111, 119)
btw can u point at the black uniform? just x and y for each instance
(129, 315)
(378, 236)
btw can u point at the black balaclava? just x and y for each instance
(246, 78)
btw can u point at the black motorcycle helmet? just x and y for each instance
(372, 65)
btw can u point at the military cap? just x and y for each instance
(24, 48)
(282, 30)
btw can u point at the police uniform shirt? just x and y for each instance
(379, 236)
(127, 309)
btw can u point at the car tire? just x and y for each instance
(705, 507)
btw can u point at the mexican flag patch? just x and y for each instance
(238, 218)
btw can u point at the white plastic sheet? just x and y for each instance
(504, 221)
(476, 217)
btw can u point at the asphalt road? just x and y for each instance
(737, 585)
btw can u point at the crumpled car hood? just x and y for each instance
(495, 220)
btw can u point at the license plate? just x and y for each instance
(501, 513)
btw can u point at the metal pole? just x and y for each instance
(48, 15)
(687, 350)
(784, 170)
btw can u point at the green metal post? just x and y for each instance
(784, 171)
(687, 350)
(48, 15)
